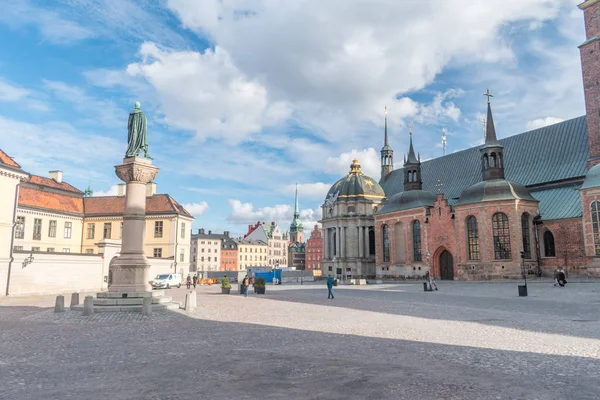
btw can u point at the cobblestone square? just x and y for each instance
(466, 341)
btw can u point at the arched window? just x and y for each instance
(485, 161)
(385, 239)
(493, 160)
(417, 241)
(501, 233)
(415, 179)
(526, 236)
(549, 244)
(472, 238)
(371, 241)
(596, 226)
(500, 161)
(408, 176)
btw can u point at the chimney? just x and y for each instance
(226, 233)
(210, 232)
(249, 228)
(121, 190)
(272, 222)
(201, 231)
(150, 189)
(56, 175)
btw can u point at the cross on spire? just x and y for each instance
(488, 94)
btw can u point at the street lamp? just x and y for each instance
(523, 288)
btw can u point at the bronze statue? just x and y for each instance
(137, 137)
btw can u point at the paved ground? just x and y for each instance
(467, 341)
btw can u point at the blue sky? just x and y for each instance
(246, 98)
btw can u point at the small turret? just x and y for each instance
(412, 168)
(387, 155)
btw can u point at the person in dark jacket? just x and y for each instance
(245, 285)
(561, 277)
(330, 283)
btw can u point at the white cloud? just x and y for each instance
(13, 93)
(206, 93)
(282, 214)
(316, 190)
(368, 159)
(196, 209)
(542, 122)
(112, 191)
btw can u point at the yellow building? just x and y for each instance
(252, 253)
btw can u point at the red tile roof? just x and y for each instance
(30, 197)
(6, 159)
(49, 182)
(115, 205)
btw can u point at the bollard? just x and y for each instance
(59, 306)
(147, 306)
(74, 299)
(190, 301)
(88, 305)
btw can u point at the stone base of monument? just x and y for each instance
(130, 302)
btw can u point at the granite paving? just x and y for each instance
(389, 341)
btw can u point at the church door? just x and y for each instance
(446, 266)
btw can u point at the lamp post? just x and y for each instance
(523, 288)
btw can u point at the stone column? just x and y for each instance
(130, 272)
(325, 243)
(360, 242)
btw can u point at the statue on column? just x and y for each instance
(137, 137)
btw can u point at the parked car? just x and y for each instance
(166, 281)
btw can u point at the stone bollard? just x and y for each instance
(147, 306)
(190, 301)
(59, 306)
(88, 305)
(74, 299)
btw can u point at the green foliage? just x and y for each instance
(225, 284)
(259, 282)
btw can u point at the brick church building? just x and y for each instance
(531, 200)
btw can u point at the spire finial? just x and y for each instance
(444, 131)
(410, 126)
(296, 208)
(488, 94)
(386, 132)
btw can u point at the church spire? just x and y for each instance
(296, 227)
(492, 158)
(412, 159)
(412, 168)
(387, 154)
(296, 208)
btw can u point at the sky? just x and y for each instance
(247, 98)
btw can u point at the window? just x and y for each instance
(158, 253)
(526, 237)
(37, 229)
(89, 251)
(18, 248)
(35, 249)
(20, 228)
(472, 238)
(52, 229)
(183, 231)
(68, 230)
(158, 229)
(417, 241)
(351, 209)
(501, 233)
(91, 230)
(50, 249)
(549, 244)
(386, 243)
(107, 230)
(596, 226)
(66, 250)
(182, 255)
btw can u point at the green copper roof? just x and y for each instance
(296, 225)
(494, 190)
(553, 153)
(592, 178)
(559, 203)
(355, 186)
(407, 200)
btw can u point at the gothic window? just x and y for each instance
(386, 243)
(472, 238)
(493, 160)
(485, 161)
(417, 241)
(415, 176)
(501, 233)
(549, 244)
(596, 226)
(526, 236)
(371, 241)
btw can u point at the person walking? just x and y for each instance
(561, 277)
(245, 285)
(330, 283)
(194, 281)
(188, 281)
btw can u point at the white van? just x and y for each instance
(166, 281)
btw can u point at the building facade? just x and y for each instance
(297, 256)
(314, 249)
(252, 253)
(206, 251)
(229, 254)
(276, 239)
(349, 225)
(528, 203)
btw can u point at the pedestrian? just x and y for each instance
(188, 281)
(330, 283)
(194, 280)
(561, 278)
(431, 282)
(245, 285)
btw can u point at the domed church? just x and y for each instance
(528, 202)
(349, 225)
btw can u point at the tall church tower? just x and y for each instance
(296, 228)
(387, 155)
(590, 66)
(492, 152)
(412, 169)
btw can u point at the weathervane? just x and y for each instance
(444, 131)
